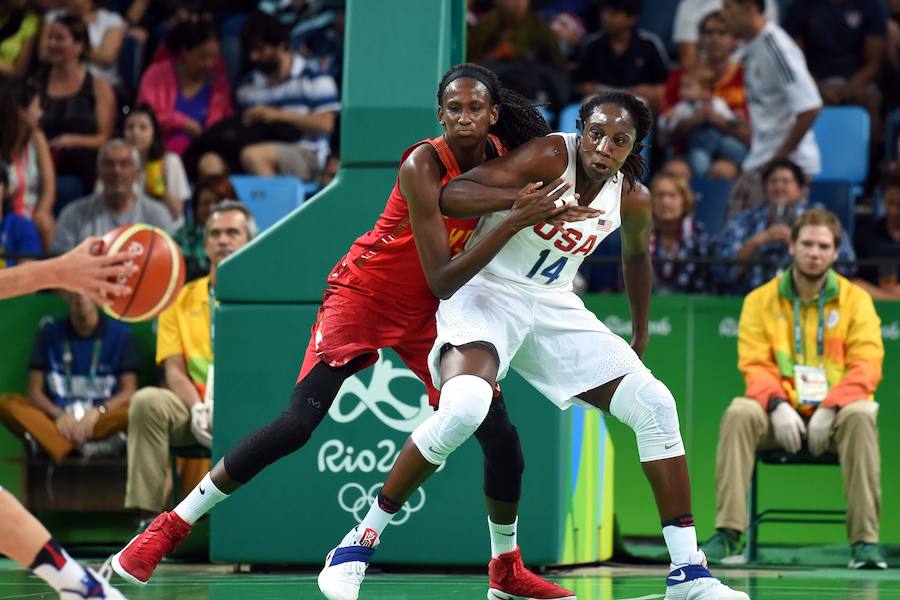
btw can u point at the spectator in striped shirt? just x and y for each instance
(290, 99)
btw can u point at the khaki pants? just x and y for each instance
(21, 415)
(157, 420)
(746, 427)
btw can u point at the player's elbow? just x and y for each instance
(441, 287)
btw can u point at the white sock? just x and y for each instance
(200, 501)
(67, 576)
(378, 518)
(681, 542)
(503, 537)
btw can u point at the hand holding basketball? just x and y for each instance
(158, 276)
(84, 270)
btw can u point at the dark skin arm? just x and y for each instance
(636, 266)
(420, 182)
(801, 125)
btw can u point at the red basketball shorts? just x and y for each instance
(355, 320)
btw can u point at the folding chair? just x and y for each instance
(755, 517)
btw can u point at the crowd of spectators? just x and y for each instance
(735, 86)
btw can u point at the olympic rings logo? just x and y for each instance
(356, 500)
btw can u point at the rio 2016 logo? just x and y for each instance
(353, 401)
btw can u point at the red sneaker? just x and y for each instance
(510, 580)
(136, 561)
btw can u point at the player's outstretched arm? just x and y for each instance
(494, 185)
(78, 270)
(637, 268)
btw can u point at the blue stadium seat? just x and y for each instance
(269, 198)
(68, 188)
(843, 136)
(568, 117)
(604, 277)
(711, 202)
(546, 113)
(836, 196)
(660, 20)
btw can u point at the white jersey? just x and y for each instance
(545, 256)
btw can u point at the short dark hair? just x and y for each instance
(632, 8)
(784, 163)
(818, 216)
(760, 4)
(230, 205)
(716, 14)
(262, 28)
(190, 33)
(157, 151)
(78, 30)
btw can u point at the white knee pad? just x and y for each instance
(646, 405)
(465, 400)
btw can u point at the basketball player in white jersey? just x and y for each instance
(520, 311)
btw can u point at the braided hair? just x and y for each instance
(519, 120)
(634, 166)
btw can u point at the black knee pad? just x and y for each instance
(309, 403)
(503, 460)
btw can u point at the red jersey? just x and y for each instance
(386, 258)
(730, 89)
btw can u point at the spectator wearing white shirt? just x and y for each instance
(106, 31)
(290, 98)
(782, 98)
(687, 21)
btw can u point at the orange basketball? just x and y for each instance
(160, 273)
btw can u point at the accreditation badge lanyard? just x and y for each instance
(68, 358)
(810, 381)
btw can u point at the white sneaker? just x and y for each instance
(93, 587)
(345, 566)
(693, 581)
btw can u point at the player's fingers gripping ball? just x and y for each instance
(159, 276)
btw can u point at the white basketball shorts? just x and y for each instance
(549, 338)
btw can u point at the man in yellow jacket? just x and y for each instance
(810, 350)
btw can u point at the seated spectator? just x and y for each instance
(17, 234)
(688, 17)
(115, 203)
(621, 56)
(764, 232)
(520, 47)
(717, 46)
(712, 132)
(187, 93)
(106, 31)
(179, 414)
(32, 180)
(18, 31)
(210, 165)
(676, 236)
(316, 29)
(678, 166)
(812, 391)
(844, 42)
(190, 237)
(79, 109)
(291, 99)
(81, 376)
(782, 97)
(881, 239)
(164, 177)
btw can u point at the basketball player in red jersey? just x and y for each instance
(383, 294)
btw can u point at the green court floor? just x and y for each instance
(177, 582)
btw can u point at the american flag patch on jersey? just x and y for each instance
(604, 226)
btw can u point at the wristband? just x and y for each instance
(774, 401)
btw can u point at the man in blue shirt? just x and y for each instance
(81, 376)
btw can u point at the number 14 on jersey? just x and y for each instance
(551, 271)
